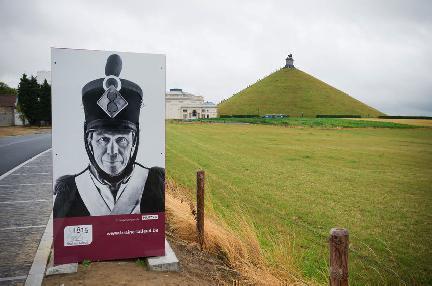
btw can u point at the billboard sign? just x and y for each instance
(108, 139)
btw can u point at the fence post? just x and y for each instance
(200, 207)
(338, 243)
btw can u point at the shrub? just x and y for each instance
(239, 116)
(337, 116)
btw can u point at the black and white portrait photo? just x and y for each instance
(109, 147)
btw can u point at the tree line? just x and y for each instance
(34, 99)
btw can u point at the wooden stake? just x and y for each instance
(200, 207)
(338, 242)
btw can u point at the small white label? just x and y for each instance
(78, 235)
(149, 217)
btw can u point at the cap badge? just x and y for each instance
(111, 100)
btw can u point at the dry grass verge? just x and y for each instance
(22, 130)
(240, 250)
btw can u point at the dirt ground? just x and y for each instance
(22, 130)
(196, 268)
(417, 122)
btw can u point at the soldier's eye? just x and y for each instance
(103, 140)
(122, 141)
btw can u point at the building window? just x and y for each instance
(207, 116)
(194, 113)
(202, 110)
(184, 110)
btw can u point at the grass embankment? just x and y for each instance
(294, 184)
(313, 122)
(238, 249)
(293, 92)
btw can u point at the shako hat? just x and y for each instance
(112, 102)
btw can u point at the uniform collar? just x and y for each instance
(99, 200)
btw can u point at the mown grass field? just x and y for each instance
(294, 184)
(417, 122)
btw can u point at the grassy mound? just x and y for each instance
(293, 92)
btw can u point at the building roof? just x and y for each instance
(178, 91)
(7, 100)
(199, 106)
(179, 94)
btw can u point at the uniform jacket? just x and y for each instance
(80, 195)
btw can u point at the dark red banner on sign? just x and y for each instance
(108, 237)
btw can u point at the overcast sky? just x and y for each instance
(377, 51)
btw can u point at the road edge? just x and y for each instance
(37, 269)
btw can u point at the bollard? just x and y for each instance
(338, 243)
(200, 207)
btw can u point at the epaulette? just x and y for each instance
(64, 183)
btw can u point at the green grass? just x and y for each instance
(312, 122)
(296, 184)
(293, 92)
(86, 263)
(140, 262)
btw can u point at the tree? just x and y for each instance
(28, 98)
(5, 89)
(45, 102)
(34, 100)
(23, 96)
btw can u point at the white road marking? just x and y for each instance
(37, 166)
(12, 278)
(22, 141)
(25, 185)
(22, 164)
(22, 227)
(24, 174)
(20, 202)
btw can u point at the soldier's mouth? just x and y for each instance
(111, 162)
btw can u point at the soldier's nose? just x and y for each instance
(112, 148)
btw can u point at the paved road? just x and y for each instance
(25, 207)
(15, 150)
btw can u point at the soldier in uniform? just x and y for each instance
(113, 183)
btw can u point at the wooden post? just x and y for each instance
(338, 242)
(200, 207)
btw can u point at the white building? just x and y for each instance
(184, 105)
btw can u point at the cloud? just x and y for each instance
(377, 51)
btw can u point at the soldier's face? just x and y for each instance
(112, 149)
